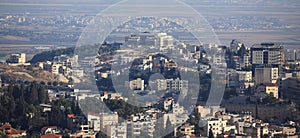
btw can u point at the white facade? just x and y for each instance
(165, 41)
(245, 76)
(267, 53)
(94, 121)
(216, 125)
(137, 84)
(117, 130)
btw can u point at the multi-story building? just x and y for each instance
(17, 59)
(246, 61)
(205, 111)
(269, 89)
(232, 78)
(216, 125)
(142, 39)
(100, 121)
(116, 130)
(138, 128)
(264, 112)
(171, 84)
(266, 75)
(245, 76)
(290, 54)
(168, 103)
(94, 121)
(107, 119)
(291, 89)
(177, 116)
(187, 129)
(137, 84)
(267, 54)
(55, 68)
(165, 41)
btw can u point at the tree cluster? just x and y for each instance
(20, 104)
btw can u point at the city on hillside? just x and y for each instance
(38, 97)
(229, 70)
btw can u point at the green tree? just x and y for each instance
(101, 135)
(10, 90)
(16, 92)
(33, 95)
(55, 83)
(43, 95)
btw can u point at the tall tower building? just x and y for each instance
(268, 54)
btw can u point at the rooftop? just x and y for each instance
(267, 45)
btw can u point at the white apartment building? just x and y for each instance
(245, 76)
(216, 125)
(267, 53)
(137, 84)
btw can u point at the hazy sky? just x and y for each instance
(286, 11)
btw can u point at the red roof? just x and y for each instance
(72, 116)
(11, 131)
(105, 93)
(5, 126)
(51, 136)
(14, 131)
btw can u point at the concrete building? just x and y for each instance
(254, 132)
(187, 129)
(291, 89)
(17, 59)
(94, 121)
(136, 128)
(205, 111)
(55, 68)
(176, 119)
(216, 125)
(289, 131)
(116, 130)
(171, 84)
(245, 76)
(165, 41)
(266, 75)
(137, 84)
(246, 61)
(268, 88)
(100, 121)
(267, 54)
(107, 119)
(168, 103)
(290, 54)
(142, 39)
(263, 112)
